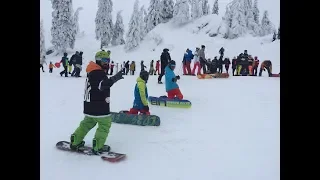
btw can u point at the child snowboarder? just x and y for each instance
(140, 103)
(65, 64)
(151, 70)
(132, 67)
(172, 87)
(142, 66)
(96, 107)
(157, 67)
(51, 66)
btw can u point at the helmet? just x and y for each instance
(65, 54)
(172, 63)
(144, 75)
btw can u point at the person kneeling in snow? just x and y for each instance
(266, 65)
(140, 103)
(172, 87)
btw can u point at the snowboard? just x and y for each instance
(275, 75)
(210, 76)
(86, 150)
(164, 101)
(133, 119)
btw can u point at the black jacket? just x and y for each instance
(126, 65)
(165, 59)
(64, 61)
(78, 59)
(97, 90)
(72, 60)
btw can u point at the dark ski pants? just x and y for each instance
(203, 66)
(255, 71)
(111, 71)
(77, 74)
(162, 74)
(127, 71)
(220, 69)
(132, 72)
(50, 70)
(41, 66)
(74, 70)
(227, 68)
(65, 71)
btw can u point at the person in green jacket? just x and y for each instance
(103, 54)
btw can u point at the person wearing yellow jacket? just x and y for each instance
(140, 103)
(266, 65)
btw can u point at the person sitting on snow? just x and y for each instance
(140, 103)
(266, 65)
(172, 87)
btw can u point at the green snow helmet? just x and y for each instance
(144, 75)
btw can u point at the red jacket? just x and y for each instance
(157, 65)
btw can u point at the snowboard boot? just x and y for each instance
(159, 82)
(75, 147)
(104, 149)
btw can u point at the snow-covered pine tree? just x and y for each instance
(166, 10)
(62, 30)
(154, 17)
(205, 7)
(118, 31)
(256, 11)
(133, 36)
(76, 20)
(266, 26)
(143, 18)
(42, 41)
(215, 9)
(104, 22)
(181, 12)
(196, 9)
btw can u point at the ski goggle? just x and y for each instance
(105, 60)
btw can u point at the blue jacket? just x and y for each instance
(140, 94)
(169, 74)
(188, 56)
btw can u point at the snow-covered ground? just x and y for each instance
(232, 131)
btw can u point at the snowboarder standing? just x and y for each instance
(78, 65)
(151, 70)
(220, 64)
(255, 65)
(221, 51)
(202, 57)
(96, 107)
(188, 56)
(111, 67)
(157, 67)
(165, 59)
(65, 64)
(42, 60)
(172, 87)
(140, 103)
(51, 66)
(132, 67)
(226, 64)
(72, 62)
(234, 65)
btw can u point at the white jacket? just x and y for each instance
(196, 57)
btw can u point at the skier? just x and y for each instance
(226, 64)
(266, 65)
(42, 60)
(165, 59)
(151, 70)
(172, 87)
(51, 66)
(111, 67)
(202, 57)
(188, 56)
(65, 63)
(126, 65)
(234, 65)
(196, 62)
(132, 67)
(142, 66)
(157, 67)
(140, 103)
(220, 64)
(96, 107)
(255, 65)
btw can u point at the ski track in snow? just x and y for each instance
(231, 132)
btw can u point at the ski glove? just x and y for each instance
(117, 76)
(178, 77)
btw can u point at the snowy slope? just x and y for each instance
(232, 131)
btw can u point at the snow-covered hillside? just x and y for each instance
(231, 132)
